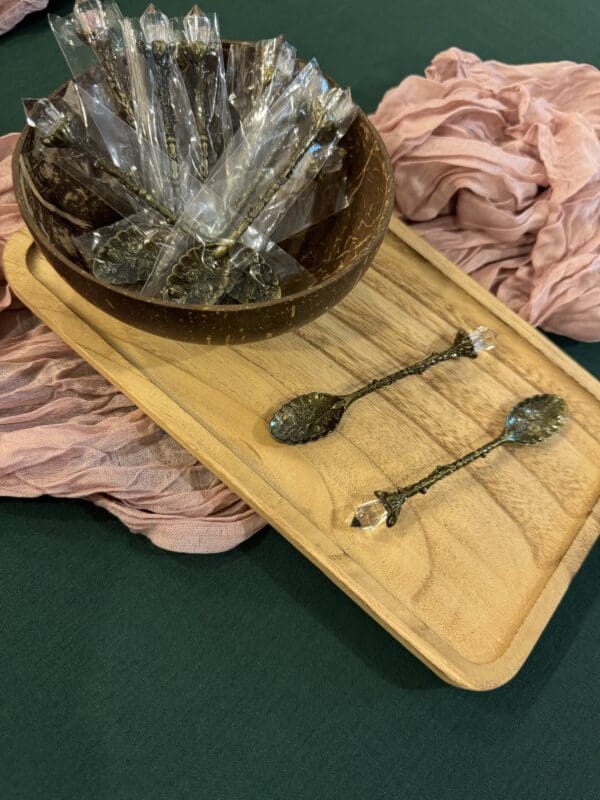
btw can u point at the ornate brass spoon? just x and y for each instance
(311, 416)
(529, 422)
(198, 60)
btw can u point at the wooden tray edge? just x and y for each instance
(574, 370)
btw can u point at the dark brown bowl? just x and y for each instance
(337, 251)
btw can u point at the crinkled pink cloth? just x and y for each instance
(13, 11)
(65, 431)
(498, 166)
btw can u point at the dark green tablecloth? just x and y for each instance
(127, 672)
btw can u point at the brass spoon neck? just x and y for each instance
(457, 350)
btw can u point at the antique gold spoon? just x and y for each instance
(198, 60)
(311, 416)
(529, 422)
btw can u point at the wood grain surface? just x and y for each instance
(472, 572)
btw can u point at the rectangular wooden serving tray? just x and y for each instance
(472, 572)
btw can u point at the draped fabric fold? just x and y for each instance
(498, 166)
(65, 431)
(13, 11)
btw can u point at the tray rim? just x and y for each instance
(386, 609)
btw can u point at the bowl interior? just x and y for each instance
(57, 207)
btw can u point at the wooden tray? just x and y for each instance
(471, 574)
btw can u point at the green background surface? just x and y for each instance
(127, 672)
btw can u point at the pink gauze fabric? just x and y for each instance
(498, 166)
(65, 431)
(13, 11)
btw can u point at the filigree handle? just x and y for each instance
(393, 501)
(465, 345)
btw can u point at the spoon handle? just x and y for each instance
(200, 113)
(129, 183)
(462, 347)
(318, 119)
(104, 46)
(393, 501)
(159, 55)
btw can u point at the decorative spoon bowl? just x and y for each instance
(337, 251)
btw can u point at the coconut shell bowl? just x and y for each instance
(337, 251)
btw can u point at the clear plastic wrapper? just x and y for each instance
(200, 58)
(277, 154)
(324, 197)
(91, 42)
(124, 253)
(162, 111)
(100, 150)
(103, 152)
(257, 73)
(193, 267)
(331, 115)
